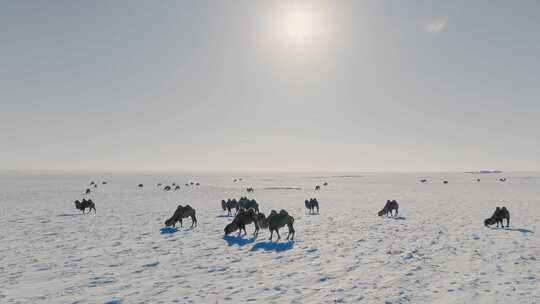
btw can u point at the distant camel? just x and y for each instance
(246, 203)
(502, 179)
(230, 204)
(87, 192)
(141, 185)
(249, 189)
(95, 185)
(91, 183)
(275, 220)
(390, 205)
(181, 213)
(85, 204)
(187, 185)
(243, 218)
(191, 183)
(317, 187)
(158, 185)
(235, 180)
(173, 184)
(445, 182)
(103, 182)
(311, 205)
(325, 184)
(167, 188)
(197, 184)
(423, 180)
(176, 188)
(477, 179)
(498, 216)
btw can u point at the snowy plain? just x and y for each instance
(437, 251)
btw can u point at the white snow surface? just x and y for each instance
(438, 251)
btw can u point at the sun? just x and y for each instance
(298, 26)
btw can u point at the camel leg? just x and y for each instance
(507, 222)
(180, 223)
(317, 209)
(271, 234)
(278, 236)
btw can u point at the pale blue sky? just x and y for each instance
(229, 85)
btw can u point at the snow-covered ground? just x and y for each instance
(438, 251)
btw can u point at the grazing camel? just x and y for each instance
(498, 216)
(181, 213)
(243, 218)
(311, 205)
(317, 187)
(275, 220)
(390, 205)
(85, 204)
(228, 205)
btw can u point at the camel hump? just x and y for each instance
(282, 211)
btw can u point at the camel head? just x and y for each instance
(170, 222)
(230, 228)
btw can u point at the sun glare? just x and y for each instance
(298, 26)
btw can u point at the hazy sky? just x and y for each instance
(254, 85)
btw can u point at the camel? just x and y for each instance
(275, 220)
(158, 185)
(498, 216)
(103, 182)
(246, 203)
(87, 192)
(390, 205)
(311, 205)
(92, 183)
(167, 188)
(317, 187)
(85, 204)
(176, 188)
(228, 205)
(141, 185)
(445, 182)
(477, 179)
(503, 179)
(197, 184)
(181, 213)
(243, 218)
(249, 189)
(325, 184)
(423, 180)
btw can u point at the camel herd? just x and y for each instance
(247, 212)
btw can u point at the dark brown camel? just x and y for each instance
(497, 217)
(181, 213)
(311, 204)
(82, 205)
(243, 218)
(275, 220)
(390, 205)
